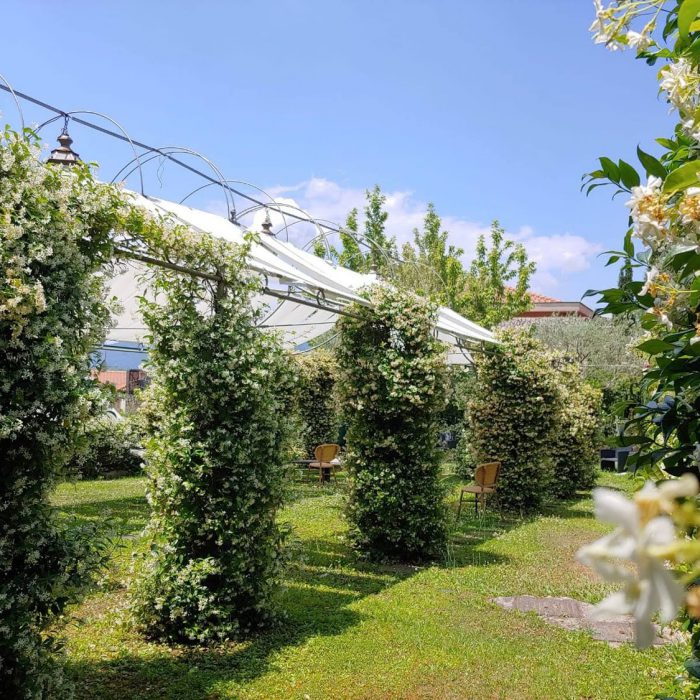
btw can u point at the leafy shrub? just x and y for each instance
(218, 407)
(105, 448)
(603, 349)
(392, 384)
(512, 414)
(576, 438)
(316, 399)
(55, 237)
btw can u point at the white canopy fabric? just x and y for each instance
(322, 287)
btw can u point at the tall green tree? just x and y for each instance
(382, 253)
(492, 290)
(432, 266)
(625, 276)
(497, 280)
(378, 251)
(351, 255)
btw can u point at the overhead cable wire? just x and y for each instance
(280, 208)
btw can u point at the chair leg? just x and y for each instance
(461, 498)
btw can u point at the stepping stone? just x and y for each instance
(574, 614)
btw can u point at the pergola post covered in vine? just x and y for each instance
(219, 400)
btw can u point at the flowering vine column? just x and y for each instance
(55, 237)
(221, 388)
(392, 381)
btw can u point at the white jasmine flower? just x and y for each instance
(648, 586)
(600, 27)
(680, 83)
(649, 213)
(641, 192)
(651, 276)
(639, 40)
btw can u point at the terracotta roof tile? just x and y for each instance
(538, 298)
(542, 299)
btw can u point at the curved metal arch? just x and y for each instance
(166, 152)
(147, 159)
(277, 207)
(320, 233)
(16, 100)
(236, 182)
(68, 115)
(51, 120)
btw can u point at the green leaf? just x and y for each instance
(655, 346)
(683, 177)
(629, 244)
(651, 164)
(694, 297)
(679, 260)
(611, 170)
(686, 15)
(628, 175)
(667, 143)
(692, 666)
(627, 440)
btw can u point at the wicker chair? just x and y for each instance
(486, 478)
(326, 460)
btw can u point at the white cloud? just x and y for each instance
(558, 256)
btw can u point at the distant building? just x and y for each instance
(124, 380)
(544, 307)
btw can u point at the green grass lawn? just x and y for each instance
(356, 630)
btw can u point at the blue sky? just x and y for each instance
(488, 109)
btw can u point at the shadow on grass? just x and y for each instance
(318, 589)
(127, 515)
(303, 485)
(470, 531)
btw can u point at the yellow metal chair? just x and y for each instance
(486, 478)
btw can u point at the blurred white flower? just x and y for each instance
(631, 555)
(685, 486)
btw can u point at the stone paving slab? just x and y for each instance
(574, 614)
